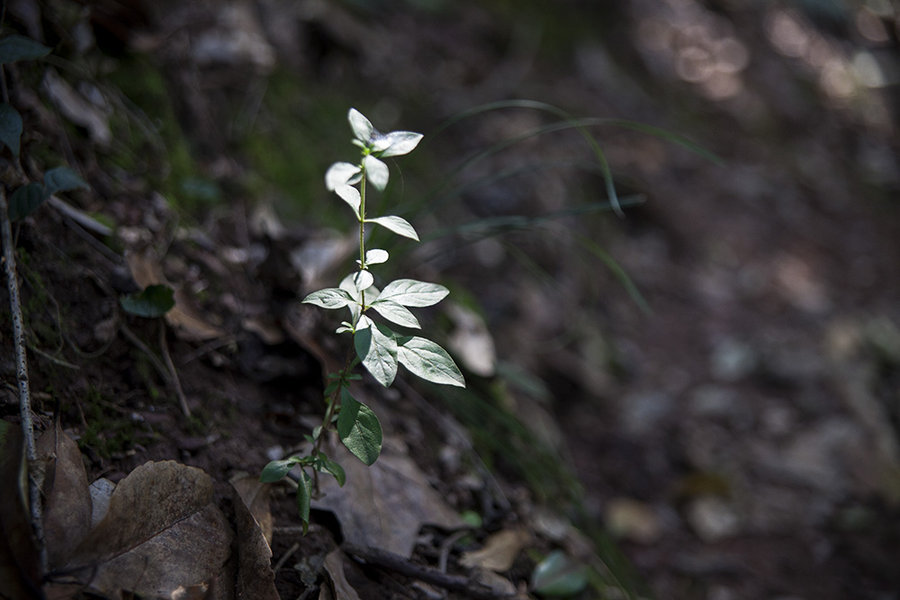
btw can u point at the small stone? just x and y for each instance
(632, 520)
(712, 519)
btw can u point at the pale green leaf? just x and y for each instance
(410, 292)
(398, 225)
(330, 298)
(361, 126)
(62, 179)
(377, 349)
(341, 173)
(397, 143)
(363, 280)
(559, 575)
(377, 172)
(376, 256)
(10, 128)
(351, 196)
(429, 361)
(153, 301)
(359, 429)
(16, 47)
(395, 313)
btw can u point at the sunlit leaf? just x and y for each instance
(341, 173)
(330, 298)
(398, 225)
(376, 256)
(17, 47)
(25, 200)
(559, 575)
(395, 313)
(377, 349)
(350, 195)
(397, 143)
(361, 126)
(410, 292)
(151, 302)
(429, 361)
(10, 128)
(363, 280)
(62, 179)
(359, 429)
(376, 171)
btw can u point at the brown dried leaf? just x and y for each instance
(255, 577)
(67, 505)
(334, 565)
(385, 505)
(499, 552)
(160, 533)
(19, 567)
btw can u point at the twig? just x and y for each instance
(176, 382)
(15, 307)
(285, 557)
(163, 371)
(399, 564)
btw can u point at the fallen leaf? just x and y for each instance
(255, 577)
(385, 505)
(341, 588)
(19, 566)
(499, 552)
(559, 575)
(67, 504)
(160, 533)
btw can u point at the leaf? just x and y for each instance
(377, 172)
(398, 225)
(351, 196)
(397, 143)
(410, 292)
(62, 179)
(304, 495)
(334, 565)
(161, 532)
(429, 361)
(253, 520)
(25, 200)
(559, 575)
(153, 301)
(16, 47)
(67, 504)
(377, 349)
(363, 280)
(499, 552)
(10, 128)
(276, 470)
(376, 256)
(330, 298)
(395, 313)
(341, 173)
(359, 429)
(336, 470)
(361, 126)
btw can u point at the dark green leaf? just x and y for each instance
(377, 349)
(153, 301)
(429, 361)
(276, 470)
(359, 429)
(62, 179)
(304, 493)
(17, 47)
(25, 200)
(10, 128)
(559, 575)
(329, 466)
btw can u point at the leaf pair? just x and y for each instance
(27, 198)
(382, 350)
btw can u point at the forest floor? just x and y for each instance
(712, 380)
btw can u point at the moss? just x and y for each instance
(109, 433)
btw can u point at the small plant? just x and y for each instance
(376, 344)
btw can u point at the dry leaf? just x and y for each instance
(161, 533)
(499, 552)
(334, 565)
(67, 504)
(385, 505)
(255, 577)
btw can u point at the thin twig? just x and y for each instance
(173, 374)
(12, 285)
(399, 564)
(163, 371)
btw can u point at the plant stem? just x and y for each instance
(15, 307)
(362, 232)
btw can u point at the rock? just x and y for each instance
(712, 519)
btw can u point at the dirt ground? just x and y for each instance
(719, 368)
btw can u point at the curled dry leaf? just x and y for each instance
(161, 533)
(499, 552)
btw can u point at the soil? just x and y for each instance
(718, 368)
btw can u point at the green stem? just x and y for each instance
(362, 230)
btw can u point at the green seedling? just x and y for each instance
(375, 317)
